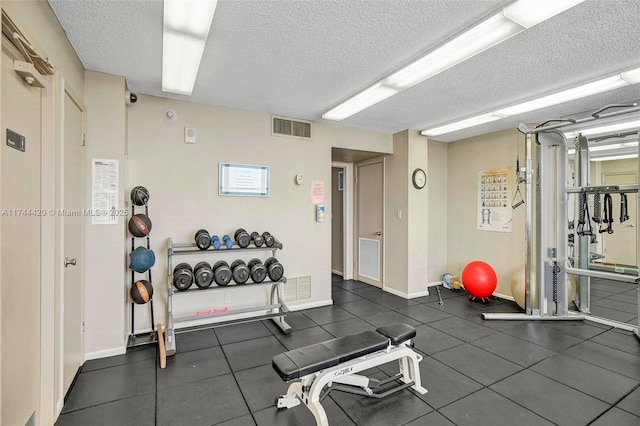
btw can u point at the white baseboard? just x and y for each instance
(333, 271)
(504, 296)
(310, 305)
(105, 353)
(405, 295)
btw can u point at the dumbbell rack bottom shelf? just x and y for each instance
(248, 284)
(276, 308)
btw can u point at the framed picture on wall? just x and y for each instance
(243, 180)
(341, 181)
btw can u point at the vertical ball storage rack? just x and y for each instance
(276, 310)
(149, 337)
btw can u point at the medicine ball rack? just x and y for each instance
(276, 309)
(149, 337)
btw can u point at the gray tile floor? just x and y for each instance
(477, 372)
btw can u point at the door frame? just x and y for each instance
(381, 159)
(347, 217)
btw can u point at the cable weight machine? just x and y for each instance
(547, 264)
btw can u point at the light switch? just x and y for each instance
(399, 214)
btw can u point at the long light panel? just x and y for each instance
(511, 20)
(185, 30)
(605, 84)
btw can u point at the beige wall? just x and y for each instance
(105, 295)
(21, 260)
(504, 251)
(41, 27)
(396, 248)
(337, 222)
(418, 215)
(183, 182)
(406, 217)
(437, 210)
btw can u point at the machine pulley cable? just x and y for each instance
(607, 214)
(624, 212)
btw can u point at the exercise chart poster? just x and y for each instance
(494, 205)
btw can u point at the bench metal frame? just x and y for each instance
(310, 389)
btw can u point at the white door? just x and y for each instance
(72, 295)
(20, 173)
(620, 247)
(369, 222)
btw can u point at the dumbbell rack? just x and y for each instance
(276, 310)
(150, 337)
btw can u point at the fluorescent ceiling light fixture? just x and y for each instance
(603, 130)
(180, 62)
(483, 36)
(614, 157)
(582, 91)
(579, 92)
(631, 76)
(362, 100)
(609, 147)
(191, 17)
(511, 20)
(531, 12)
(186, 28)
(462, 124)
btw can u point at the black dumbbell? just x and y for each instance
(274, 269)
(182, 276)
(240, 271)
(203, 239)
(221, 273)
(269, 241)
(242, 237)
(257, 239)
(203, 274)
(257, 270)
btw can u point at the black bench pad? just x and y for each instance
(309, 359)
(398, 333)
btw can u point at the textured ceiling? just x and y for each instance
(299, 58)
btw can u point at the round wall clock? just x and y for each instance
(419, 178)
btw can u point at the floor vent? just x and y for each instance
(293, 128)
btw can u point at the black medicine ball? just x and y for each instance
(139, 195)
(140, 225)
(141, 292)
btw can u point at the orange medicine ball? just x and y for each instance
(141, 292)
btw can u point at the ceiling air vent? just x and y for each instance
(289, 127)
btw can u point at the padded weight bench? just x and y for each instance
(320, 368)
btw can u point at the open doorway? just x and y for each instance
(343, 235)
(337, 221)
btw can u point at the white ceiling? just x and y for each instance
(299, 58)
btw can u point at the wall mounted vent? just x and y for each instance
(297, 288)
(281, 126)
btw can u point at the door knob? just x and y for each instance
(378, 233)
(68, 262)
